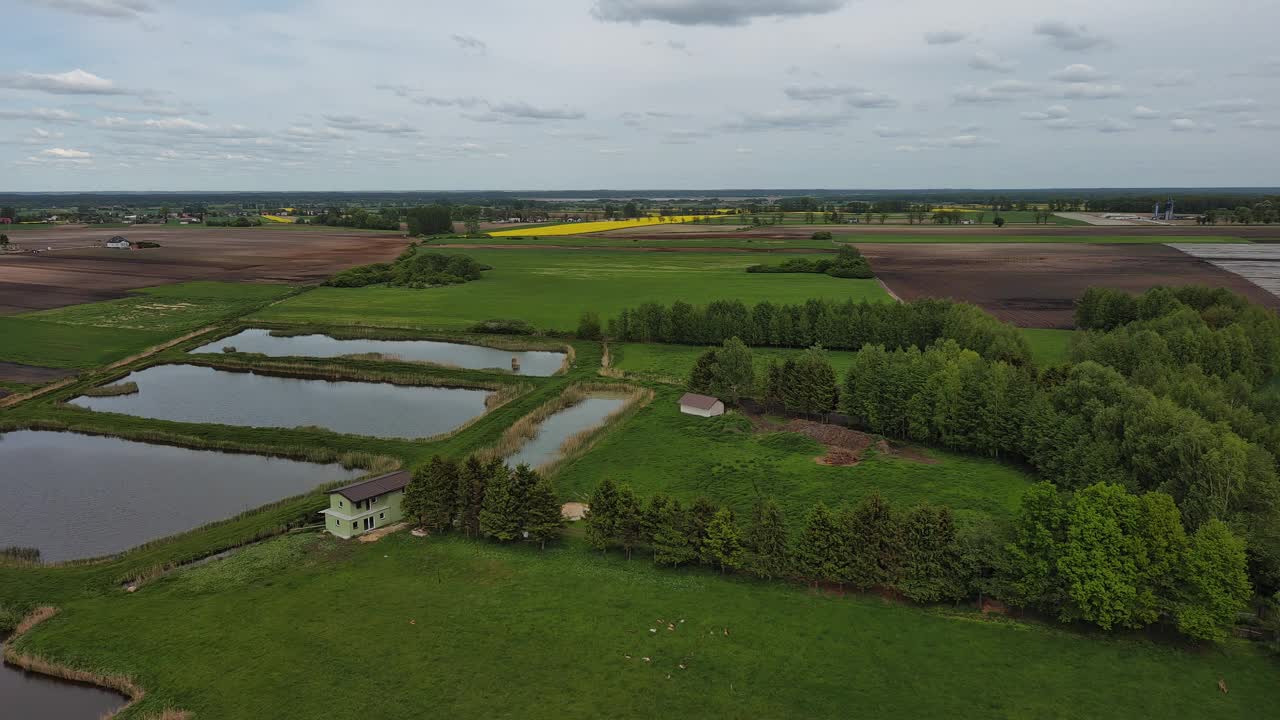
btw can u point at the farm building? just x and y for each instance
(700, 405)
(119, 241)
(366, 505)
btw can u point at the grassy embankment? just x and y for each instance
(94, 334)
(551, 289)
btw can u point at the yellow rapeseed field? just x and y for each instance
(580, 228)
(277, 219)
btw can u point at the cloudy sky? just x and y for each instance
(496, 94)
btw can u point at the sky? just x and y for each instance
(621, 94)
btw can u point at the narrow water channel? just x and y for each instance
(195, 394)
(472, 357)
(552, 432)
(76, 496)
(25, 695)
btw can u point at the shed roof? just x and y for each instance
(702, 402)
(373, 487)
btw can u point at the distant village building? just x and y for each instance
(119, 241)
(700, 405)
(366, 505)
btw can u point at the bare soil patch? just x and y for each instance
(31, 374)
(69, 270)
(844, 446)
(1036, 285)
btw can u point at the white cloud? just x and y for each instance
(1003, 91)
(66, 154)
(41, 114)
(784, 120)
(891, 132)
(1079, 73)
(1049, 113)
(1234, 105)
(1260, 124)
(1142, 112)
(944, 37)
(1113, 125)
(1069, 37)
(111, 9)
(1186, 124)
(820, 92)
(870, 100)
(708, 12)
(1092, 91)
(72, 82)
(354, 122)
(987, 60)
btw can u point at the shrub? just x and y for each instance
(821, 235)
(503, 327)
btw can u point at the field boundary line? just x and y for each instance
(892, 294)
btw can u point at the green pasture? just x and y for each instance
(552, 288)
(309, 626)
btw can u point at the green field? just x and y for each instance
(1048, 347)
(662, 450)
(308, 627)
(996, 237)
(85, 336)
(552, 288)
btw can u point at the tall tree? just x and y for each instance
(872, 530)
(724, 540)
(822, 547)
(630, 520)
(734, 374)
(602, 516)
(439, 493)
(502, 514)
(543, 518)
(671, 537)
(766, 540)
(473, 476)
(929, 571)
(1215, 583)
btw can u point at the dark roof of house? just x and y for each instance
(702, 402)
(117, 238)
(373, 487)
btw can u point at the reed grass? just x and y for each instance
(331, 371)
(127, 388)
(19, 555)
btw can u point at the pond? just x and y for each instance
(30, 695)
(472, 357)
(194, 394)
(552, 432)
(76, 496)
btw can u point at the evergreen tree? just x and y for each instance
(671, 542)
(822, 547)
(472, 478)
(602, 516)
(436, 504)
(872, 530)
(654, 514)
(930, 557)
(734, 374)
(773, 390)
(766, 540)
(544, 520)
(414, 502)
(697, 519)
(502, 514)
(724, 541)
(630, 527)
(702, 379)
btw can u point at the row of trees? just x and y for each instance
(429, 220)
(482, 499)
(835, 325)
(384, 219)
(848, 263)
(1100, 555)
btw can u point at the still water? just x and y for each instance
(552, 432)
(190, 393)
(77, 496)
(472, 357)
(28, 695)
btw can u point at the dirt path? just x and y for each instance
(844, 445)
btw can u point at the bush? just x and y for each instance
(848, 263)
(146, 244)
(589, 326)
(503, 327)
(415, 268)
(820, 235)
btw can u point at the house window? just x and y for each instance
(374, 501)
(340, 503)
(353, 524)
(381, 515)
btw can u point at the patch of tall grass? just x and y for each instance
(127, 388)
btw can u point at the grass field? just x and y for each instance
(1048, 347)
(552, 288)
(84, 336)
(307, 627)
(995, 237)
(662, 450)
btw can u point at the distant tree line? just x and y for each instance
(848, 263)
(1099, 555)
(384, 219)
(833, 325)
(429, 220)
(415, 268)
(484, 500)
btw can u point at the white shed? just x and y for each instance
(119, 242)
(700, 405)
